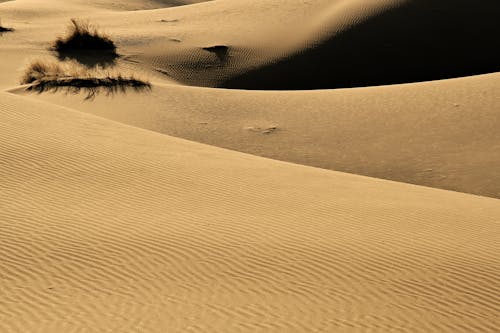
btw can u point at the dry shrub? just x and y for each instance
(52, 76)
(84, 36)
(39, 70)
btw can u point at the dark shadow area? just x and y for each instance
(90, 58)
(220, 51)
(4, 29)
(419, 41)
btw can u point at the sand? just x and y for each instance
(264, 219)
(442, 134)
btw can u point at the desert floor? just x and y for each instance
(296, 166)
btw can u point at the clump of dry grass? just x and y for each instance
(83, 36)
(40, 70)
(51, 76)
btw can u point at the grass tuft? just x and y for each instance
(83, 36)
(41, 70)
(51, 76)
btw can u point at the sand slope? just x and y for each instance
(109, 228)
(440, 134)
(387, 42)
(295, 44)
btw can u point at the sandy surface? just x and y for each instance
(110, 221)
(441, 134)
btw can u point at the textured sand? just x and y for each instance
(109, 223)
(110, 228)
(443, 134)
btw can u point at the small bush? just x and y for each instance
(50, 76)
(82, 36)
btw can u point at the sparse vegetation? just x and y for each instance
(84, 43)
(39, 70)
(82, 35)
(51, 76)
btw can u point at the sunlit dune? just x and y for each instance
(249, 166)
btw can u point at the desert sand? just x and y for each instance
(296, 166)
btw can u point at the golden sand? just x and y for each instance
(111, 221)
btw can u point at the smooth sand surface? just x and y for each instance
(110, 221)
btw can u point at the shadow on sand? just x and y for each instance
(91, 86)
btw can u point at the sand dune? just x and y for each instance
(341, 43)
(106, 227)
(113, 225)
(388, 42)
(440, 134)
